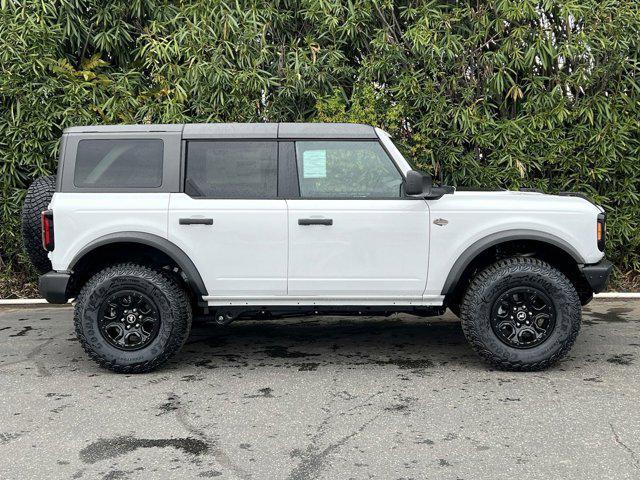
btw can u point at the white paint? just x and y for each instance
(80, 218)
(374, 247)
(244, 252)
(473, 216)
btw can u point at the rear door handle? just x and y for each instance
(196, 221)
(315, 221)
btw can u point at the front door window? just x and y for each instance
(346, 169)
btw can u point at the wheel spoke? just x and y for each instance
(540, 323)
(144, 308)
(147, 324)
(131, 339)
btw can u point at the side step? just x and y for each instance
(226, 315)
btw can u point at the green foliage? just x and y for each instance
(500, 93)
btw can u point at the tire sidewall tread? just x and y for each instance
(172, 304)
(475, 312)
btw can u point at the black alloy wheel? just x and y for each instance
(523, 317)
(129, 320)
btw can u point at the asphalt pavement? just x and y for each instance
(320, 398)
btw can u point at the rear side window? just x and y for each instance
(126, 163)
(221, 169)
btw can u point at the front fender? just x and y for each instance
(471, 252)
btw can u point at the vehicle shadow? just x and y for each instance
(308, 344)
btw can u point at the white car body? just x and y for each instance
(377, 252)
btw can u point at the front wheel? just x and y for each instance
(521, 314)
(132, 319)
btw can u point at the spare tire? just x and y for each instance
(37, 200)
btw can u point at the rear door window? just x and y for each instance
(125, 163)
(240, 169)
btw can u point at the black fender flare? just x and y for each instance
(476, 248)
(170, 249)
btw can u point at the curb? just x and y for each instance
(23, 301)
(617, 295)
(42, 301)
(28, 302)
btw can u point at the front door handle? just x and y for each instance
(315, 221)
(196, 221)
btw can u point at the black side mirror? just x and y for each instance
(418, 184)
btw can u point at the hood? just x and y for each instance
(509, 200)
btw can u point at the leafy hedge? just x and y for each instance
(502, 93)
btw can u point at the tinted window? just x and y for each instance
(232, 169)
(334, 169)
(119, 163)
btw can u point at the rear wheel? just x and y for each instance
(36, 201)
(521, 314)
(132, 319)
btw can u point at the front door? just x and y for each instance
(353, 236)
(229, 220)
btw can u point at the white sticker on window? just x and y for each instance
(314, 164)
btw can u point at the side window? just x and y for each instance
(222, 169)
(346, 169)
(126, 163)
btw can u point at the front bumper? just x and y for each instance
(53, 286)
(597, 274)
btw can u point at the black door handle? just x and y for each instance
(315, 221)
(196, 221)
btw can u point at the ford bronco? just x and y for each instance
(146, 226)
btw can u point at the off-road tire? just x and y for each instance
(488, 285)
(172, 303)
(36, 201)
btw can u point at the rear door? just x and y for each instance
(353, 235)
(230, 220)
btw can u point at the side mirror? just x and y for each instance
(418, 184)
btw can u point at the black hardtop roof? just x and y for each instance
(242, 130)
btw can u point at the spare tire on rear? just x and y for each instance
(37, 200)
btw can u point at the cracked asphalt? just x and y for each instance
(320, 398)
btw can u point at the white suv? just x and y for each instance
(147, 225)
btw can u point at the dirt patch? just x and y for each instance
(407, 363)
(279, 351)
(22, 332)
(622, 359)
(105, 449)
